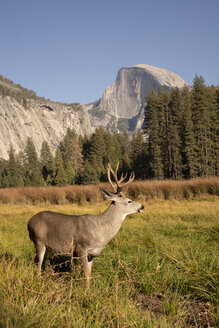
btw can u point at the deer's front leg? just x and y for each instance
(87, 262)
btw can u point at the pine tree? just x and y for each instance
(31, 155)
(164, 125)
(70, 174)
(213, 112)
(60, 178)
(33, 176)
(5, 181)
(72, 153)
(154, 135)
(90, 174)
(174, 131)
(11, 170)
(22, 164)
(216, 140)
(85, 145)
(125, 148)
(139, 156)
(201, 120)
(3, 164)
(112, 149)
(12, 165)
(77, 161)
(15, 179)
(47, 163)
(98, 152)
(189, 158)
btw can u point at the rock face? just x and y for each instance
(122, 103)
(121, 107)
(41, 120)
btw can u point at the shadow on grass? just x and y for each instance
(62, 264)
(194, 313)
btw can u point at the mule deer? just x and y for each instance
(84, 235)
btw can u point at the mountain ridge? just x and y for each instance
(125, 99)
(23, 114)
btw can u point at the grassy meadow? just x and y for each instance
(161, 270)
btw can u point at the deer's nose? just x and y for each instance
(141, 209)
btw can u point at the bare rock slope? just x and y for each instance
(39, 119)
(23, 114)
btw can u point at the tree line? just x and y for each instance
(77, 160)
(182, 128)
(179, 141)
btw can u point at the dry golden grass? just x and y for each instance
(148, 189)
(172, 189)
(53, 195)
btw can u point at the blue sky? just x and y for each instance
(70, 51)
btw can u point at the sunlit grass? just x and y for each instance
(161, 270)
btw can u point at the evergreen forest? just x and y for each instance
(179, 141)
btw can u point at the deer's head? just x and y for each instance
(125, 205)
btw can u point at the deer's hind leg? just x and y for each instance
(40, 253)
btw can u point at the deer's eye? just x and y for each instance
(129, 201)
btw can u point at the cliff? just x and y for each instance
(40, 120)
(121, 104)
(23, 114)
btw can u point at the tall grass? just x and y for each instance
(161, 270)
(52, 195)
(167, 189)
(172, 189)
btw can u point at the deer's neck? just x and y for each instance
(111, 220)
(114, 214)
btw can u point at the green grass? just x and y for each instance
(161, 270)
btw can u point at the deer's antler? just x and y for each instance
(119, 183)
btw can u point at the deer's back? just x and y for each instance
(59, 231)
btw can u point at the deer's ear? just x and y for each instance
(108, 195)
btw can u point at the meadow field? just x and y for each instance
(161, 269)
